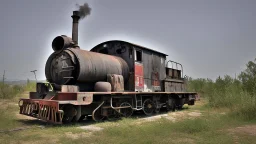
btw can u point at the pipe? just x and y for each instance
(75, 18)
(61, 42)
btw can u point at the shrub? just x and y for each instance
(30, 86)
(9, 91)
(239, 95)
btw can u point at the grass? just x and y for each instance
(8, 91)
(8, 118)
(227, 93)
(211, 127)
(202, 130)
(11, 91)
(9, 97)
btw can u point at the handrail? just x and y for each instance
(173, 62)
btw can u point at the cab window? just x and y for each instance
(138, 55)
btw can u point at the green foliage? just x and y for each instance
(239, 95)
(211, 129)
(31, 86)
(246, 108)
(248, 77)
(202, 86)
(192, 126)
(9, 91)
(7, 116)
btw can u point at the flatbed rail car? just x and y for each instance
(113, 79)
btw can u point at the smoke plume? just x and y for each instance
(84, 10)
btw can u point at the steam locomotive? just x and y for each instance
(113, 79)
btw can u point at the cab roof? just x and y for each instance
(120, 41)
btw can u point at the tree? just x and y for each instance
(248, 77)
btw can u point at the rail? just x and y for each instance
(173, 62)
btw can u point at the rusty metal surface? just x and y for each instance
(124, 51)
(94, 67)
(177, 69)
(76, 98)
(46, 110)
(84, 98)
(116, 81)
(49, 110)
(75, 18)
(61, 42)
(154, 70)
(60, 67)
(69, 88)
(154, 65)
(125, 42)
(102, 87)
(139, 77)
(90, 67)
(138, 93)
(62, 96)
(172, 86)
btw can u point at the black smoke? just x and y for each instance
(84, 10)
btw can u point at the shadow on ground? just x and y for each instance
(88, 120)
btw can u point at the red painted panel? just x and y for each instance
(139, 75)
(155, 79)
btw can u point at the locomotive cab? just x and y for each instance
(149, 71)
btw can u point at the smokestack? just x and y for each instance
(75, 17)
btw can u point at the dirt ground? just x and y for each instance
(89, 129)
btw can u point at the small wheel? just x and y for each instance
(157, 109)
(69, 113)
(114, 116)
(126, 112)
(170, 105)
(148, 107)
(67, 119)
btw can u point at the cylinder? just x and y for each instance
(80, 66)
(102, 87)
(61, 42)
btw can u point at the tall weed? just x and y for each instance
(227, 93)
(10, 91)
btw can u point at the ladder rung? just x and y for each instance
(65, 70)
(68, 77)
(68, 67)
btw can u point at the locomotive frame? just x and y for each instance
(120, 78)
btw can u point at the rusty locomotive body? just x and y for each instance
(113, 79)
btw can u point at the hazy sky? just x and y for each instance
(209, 37)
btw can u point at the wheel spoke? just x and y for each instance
(148, 107)
(126, 112)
